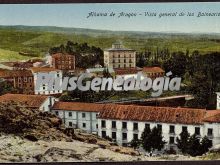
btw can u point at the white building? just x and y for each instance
(78, 115)
(119, 57)
(218, 100)
(128, 72)
(126, 122)
(43, 103)
(98, 72)
(44, 87)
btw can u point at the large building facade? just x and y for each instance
(44, 89)
(21, 80)
(63, 61)
(123, 123)
(119, 57)
(78, 115)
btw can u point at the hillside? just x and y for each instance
(36, 40)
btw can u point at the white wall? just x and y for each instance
(165, 130)
(48, 103)
(45, 90)
(218, 100)
(87, 123)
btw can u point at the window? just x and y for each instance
(135, 126)
(25, 79)
(84, 125)
(83, 115)
(184, 128)
(197, 130)
(135, 136)
(103, 124)
(97, 126)
(210, 131)
(70, 124)
(113, 135)
(147, 125)
(124, 125)
(103, 133)
(70, 114)
(171, 140)
(57, 113)
(172, 129)
(96, 115)
(159, 126)
(124, 136)
(113, 124)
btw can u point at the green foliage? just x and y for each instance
(39, 40)
(192, 145)
(65, 98)
(86, 56)
(135, 143)
(106, 73)
(205, 145)
(182, 142)
(176, 64)
(152, 139)
(5, 87)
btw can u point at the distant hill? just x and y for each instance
(38, 39)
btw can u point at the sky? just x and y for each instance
(75, 15)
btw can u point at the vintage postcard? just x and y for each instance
(109, 82)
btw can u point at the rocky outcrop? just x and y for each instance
(31, 123)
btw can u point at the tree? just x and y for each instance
(194, 145)
(135, 143)
(141, 62)
(145, 139)
(65, 98)
(152, 139)
(182, 142)
(205, 145)
(106, 73)
(176, 64)
(6, 87)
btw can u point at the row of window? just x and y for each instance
(83, 125)
(124, 135)
(70, 114)
(123, 56)
(121, 61)
(25, 79)
(122, 66)
(171, 129)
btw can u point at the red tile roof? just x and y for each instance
(42, 69)
(212, 116)
(153, 70)
(143, 113)
(120, 71)
(153, 114)
(30, 101)
(15, 73)
(77, 106)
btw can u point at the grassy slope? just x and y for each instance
(38, 41)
